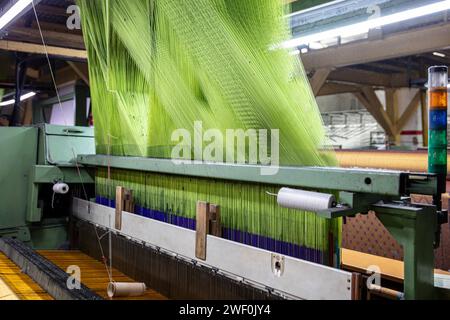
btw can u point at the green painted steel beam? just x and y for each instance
(18, 153)
(382, 182)
(413, 227)
(50, 174)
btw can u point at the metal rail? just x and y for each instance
(371, 181)
(299, 278)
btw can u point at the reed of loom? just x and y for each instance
(157, 66)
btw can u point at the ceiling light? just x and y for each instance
(13, 12)
(365, 26)
(22, 98)
(439, 54)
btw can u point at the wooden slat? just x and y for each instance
(52, 38)
(40, 49)
(390, 269)
(202, 229)
(318, 79)
(128, 201)
(120, 192)
(215, 226)
(81, 70)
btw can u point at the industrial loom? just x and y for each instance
(180, 258)
(204, 228)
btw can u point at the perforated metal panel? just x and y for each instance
(365, 233)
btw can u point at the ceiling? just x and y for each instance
(383, 70)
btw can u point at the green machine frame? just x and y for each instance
(384, 192)
(33, 159)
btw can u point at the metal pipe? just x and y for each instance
(387, 293)
(20, 81)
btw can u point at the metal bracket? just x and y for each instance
(277, 265)
(352, 203)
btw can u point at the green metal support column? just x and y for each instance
(413, 228)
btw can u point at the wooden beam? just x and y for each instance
(81, 70)
(52, 38)
(362, 98)
(63, 76)
(370, 100)
(369, 78)
(318, 79)
(202, 229)
(39, 49)
(391, 106)
(52, 10)
(31, 73)
(119, 207)
(409, 111)
(388, 67)
(377, 105)
(28, 113)
(49, 26)
(215, 226)
(330, 88)
(362, 77)
(411, 42)
(392, 112)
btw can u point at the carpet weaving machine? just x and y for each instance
(413, 226)
(158, 67)
(252, 206)
(150, 246)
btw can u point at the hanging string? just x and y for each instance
(108, 270)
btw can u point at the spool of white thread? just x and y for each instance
(60, 188)
(305, 200)
(126, 289)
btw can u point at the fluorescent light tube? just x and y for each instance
(13, 12)
(22, 98)
(365, 26)
(439, 54)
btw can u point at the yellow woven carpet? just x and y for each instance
(15, 285)
(93, 273)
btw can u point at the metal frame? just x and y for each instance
(361, 191)
(380, 182)
(41, 174)
(299, 279)
(413, 226)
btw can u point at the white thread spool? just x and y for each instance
(60, 188)
(305, 200)
(126, 289)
